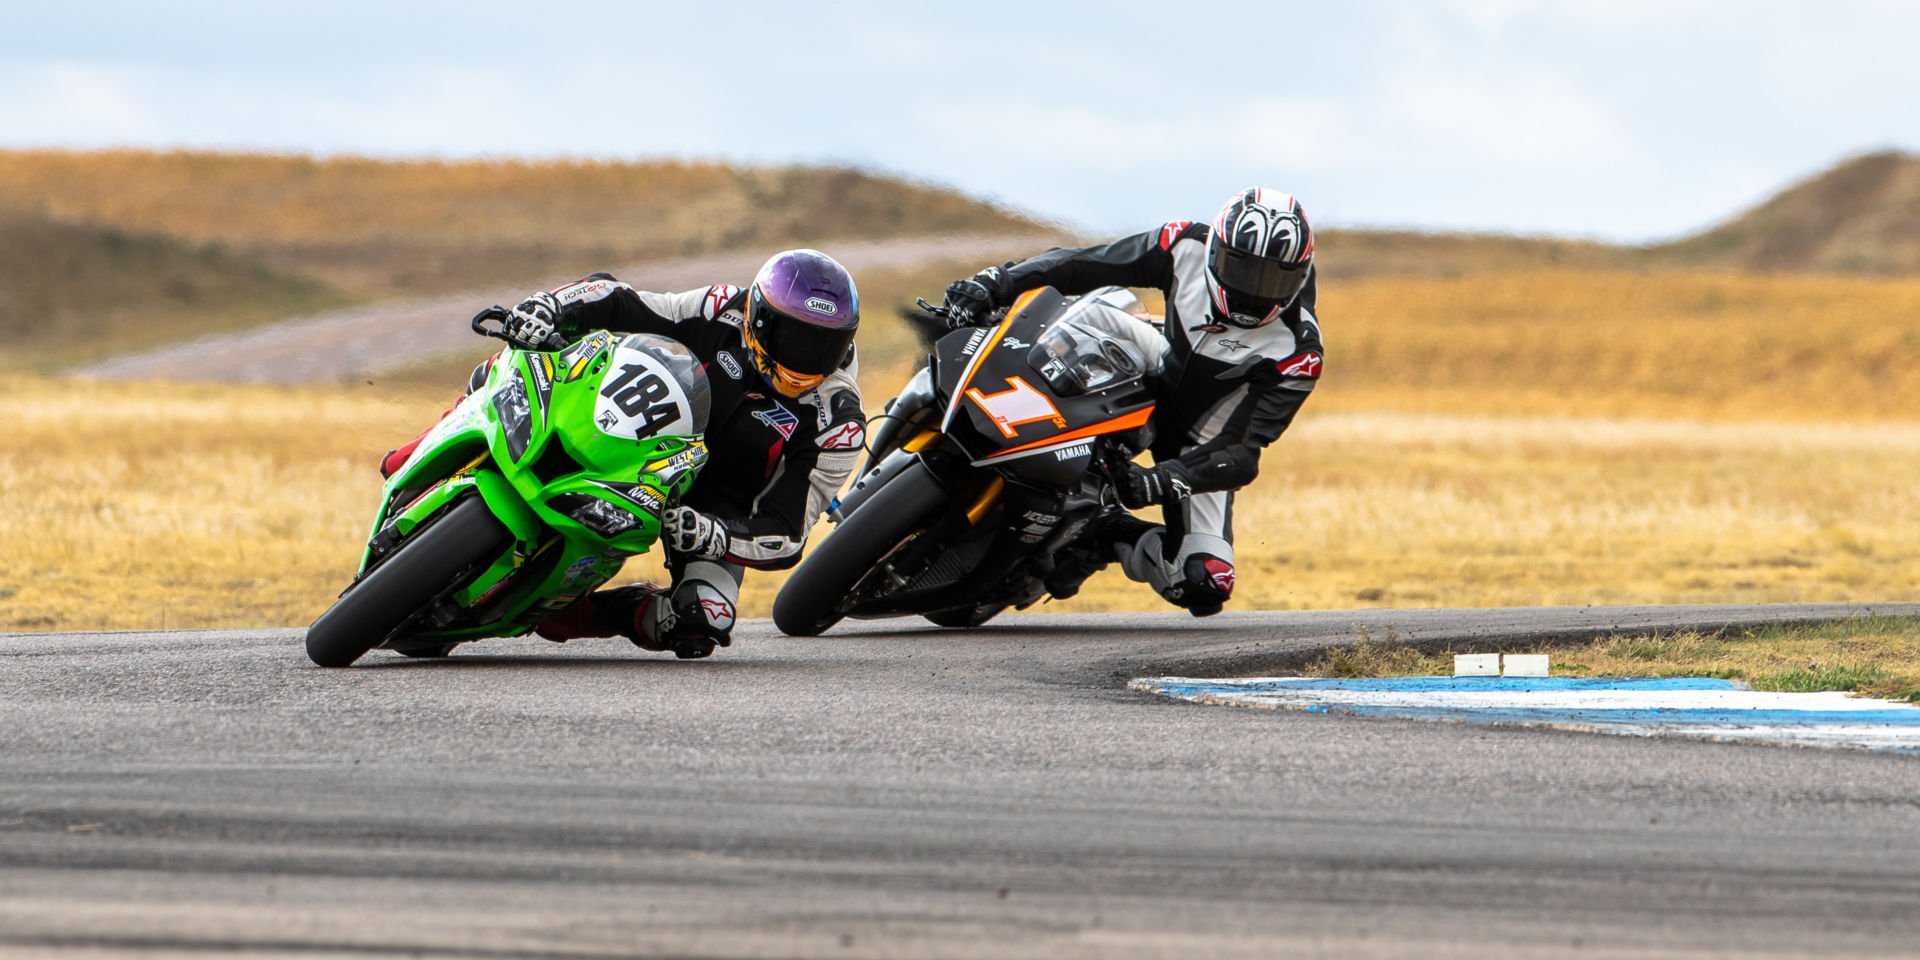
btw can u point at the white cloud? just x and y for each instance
(1621, 118)
(1514, 116)
(77, 103)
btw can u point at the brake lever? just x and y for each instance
(495, 312)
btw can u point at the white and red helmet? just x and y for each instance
(1259, 256)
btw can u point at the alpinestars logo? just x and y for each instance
(780, 419)
(718, 611)
(718, 296)
(847, 436)
(1220, 574)
(1305, 366)
(1172, 232)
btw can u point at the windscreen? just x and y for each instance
(1088, 349)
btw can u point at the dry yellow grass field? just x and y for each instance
(1521, 463)
(1535, 438)
(1632, 344)
(1873, 655)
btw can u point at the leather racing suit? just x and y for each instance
(774, 463)
(1227, 392)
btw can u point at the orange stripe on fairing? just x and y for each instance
(994, 340)
(1138, 418)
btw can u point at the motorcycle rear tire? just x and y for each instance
(809, 603)
(420, 569)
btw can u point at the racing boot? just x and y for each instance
(1093, 551)
(691, 621)
(1206, 583)
(398, 456)
(603, 613)
(1201, 583)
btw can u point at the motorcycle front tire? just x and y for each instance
(420, 569)
(810, 601)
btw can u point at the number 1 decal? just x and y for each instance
(1017, 405)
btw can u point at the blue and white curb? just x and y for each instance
(1706, 709)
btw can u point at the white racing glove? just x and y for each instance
(692, 534)
(534, 323)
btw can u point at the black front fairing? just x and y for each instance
(1002, 411)
(1018, 440)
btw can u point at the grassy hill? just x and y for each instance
(111, 251)
(1862, 216)
(1351, 254)
(108, 251)
(70, 292)
(377, 228)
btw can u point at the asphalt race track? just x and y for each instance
(894, 790)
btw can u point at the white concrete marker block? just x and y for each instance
(1476, 664)
(1524, 665)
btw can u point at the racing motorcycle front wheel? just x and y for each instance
(817, 595)
(424, 566)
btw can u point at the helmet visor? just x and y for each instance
(1256, 278)
(799, 347)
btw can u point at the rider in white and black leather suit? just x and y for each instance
(1245, 354)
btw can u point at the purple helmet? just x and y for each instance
(802, 311)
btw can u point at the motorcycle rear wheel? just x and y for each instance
(425, 565)
(812, 599)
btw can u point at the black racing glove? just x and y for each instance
(969, 304)
(535, 323)
(1140, 486)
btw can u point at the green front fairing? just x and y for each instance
(556, 558)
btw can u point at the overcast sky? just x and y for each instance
(1619, 119)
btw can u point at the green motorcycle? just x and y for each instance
(526, 497)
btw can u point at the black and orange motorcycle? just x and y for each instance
(989, 481)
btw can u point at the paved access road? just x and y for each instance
(392, 336)
(890, 790)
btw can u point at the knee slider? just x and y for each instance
(699, 618)
(1205, 580)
